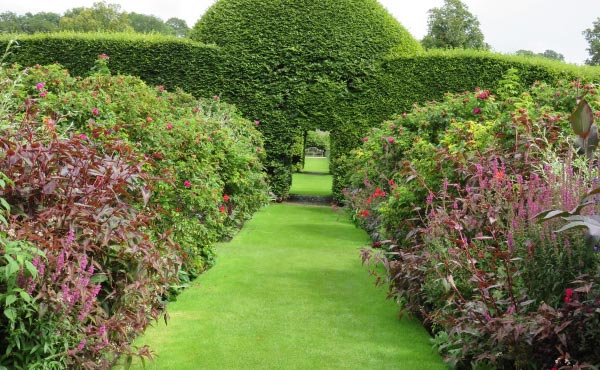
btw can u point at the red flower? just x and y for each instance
(391, 182)
(477, 110)
(226, 197)
(187, 183)
(568, 295)
(221, 209)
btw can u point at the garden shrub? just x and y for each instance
(117, 192)
(449, 192)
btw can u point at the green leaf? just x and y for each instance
(10, 313)
(582, 119)
(10, 300)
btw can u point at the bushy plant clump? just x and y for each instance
(117, 191)
(449, 193)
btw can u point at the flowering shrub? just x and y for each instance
(117, 192)
(456, 232)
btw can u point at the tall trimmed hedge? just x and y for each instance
(296, 62)
(158, 60)
(304, 83)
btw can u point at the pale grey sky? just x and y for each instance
(508, 25)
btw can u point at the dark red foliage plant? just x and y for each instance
(105, 275)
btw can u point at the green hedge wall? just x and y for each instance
(158, 60)
(290, 88)
(295, 62)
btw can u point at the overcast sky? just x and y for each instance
(508, 25)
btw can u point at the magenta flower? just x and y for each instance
(83, 136)
(43, 94)
(568, 295)
(390, 140)
(365, 139)
(169, 126)
(95, 111)
(40, 85)
(477, 110)
(187, 183)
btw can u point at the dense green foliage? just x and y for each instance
(281, 95)
(449, 193)
(296, 64)
(101, 17)
(158, 60)
(550, 54)
(117, 192)
(453, 26)
(592, 35)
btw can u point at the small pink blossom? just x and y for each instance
(149, 119)
(95, 111)
(40, 85)
(404, 115)
(216, 97)
(256, 123)
(187, 183)
(169, 126)
(365, 139)
(390, 140)
(82, 136)
(103, 56)
(43, 94)
(160, 88)
(477, 110)
(259, 148)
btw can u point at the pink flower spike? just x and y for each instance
(187, 183)
(95, 111)
(169, 126)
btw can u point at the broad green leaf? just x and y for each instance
(582, 119)
(10, 300)
(10, 313)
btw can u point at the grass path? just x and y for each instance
(289, 292)
(307, 183)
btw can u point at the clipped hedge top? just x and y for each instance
(319, 30)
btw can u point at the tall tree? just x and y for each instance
(100, 17)
(592, 35)
(9, 23)
(39, 22)
(148, 24)
(550, 54)
(178, 26)
(453, 26)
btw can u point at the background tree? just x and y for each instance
(178, 27)
(550, 54)
(9, 23)
(453, 26)
(100, 17)
(39, 22)
(148, 24)
(592, 35)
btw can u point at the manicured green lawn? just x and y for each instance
(312, 164)
(306, 183)
(289, 292)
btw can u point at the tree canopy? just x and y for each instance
(550, 54)
(101, 17)
(592, 35)
(453, 26)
